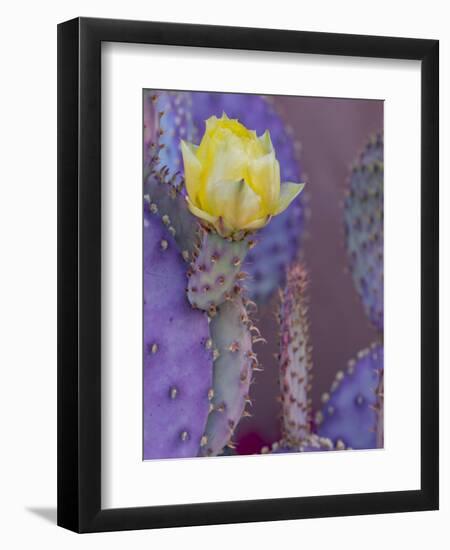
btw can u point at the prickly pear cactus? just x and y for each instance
(231, 340)
(164, 197)
(178, 360)
(295, 369)
(167, 120)
(216, 270)
(279, 242)
(363, 215)
(349, 416)
(295, 358)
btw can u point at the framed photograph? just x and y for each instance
(247, 275)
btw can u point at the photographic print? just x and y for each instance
(262, 274)
(221, 274)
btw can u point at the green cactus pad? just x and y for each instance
(231, 336)
(216, 271)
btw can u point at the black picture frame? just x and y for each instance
(79, 274)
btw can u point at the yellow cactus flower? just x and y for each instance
(233, 178)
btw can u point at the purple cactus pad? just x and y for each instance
(349, 413)
(177, 351)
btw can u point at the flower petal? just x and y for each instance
(264, 179)
(257, 224)
(192, 170)
(227, 160)
(288, 193)
(266, 142)
(201, 213)
(235, 202)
